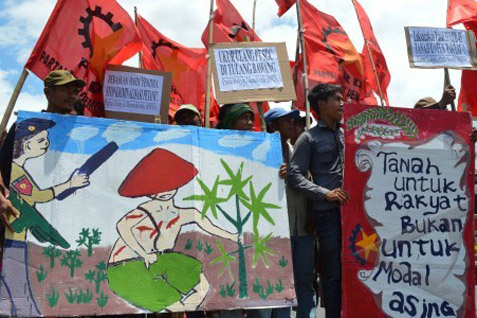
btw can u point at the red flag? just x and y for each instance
(229, 26)
(376, 54)
(82, 36)
(284, 5)
(468, 84)
(461, 11)
(331, 56)
(187, 65)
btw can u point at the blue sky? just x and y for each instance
(21, 22)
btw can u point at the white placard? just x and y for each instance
(132, 92)
(247, 68)
(438, 47)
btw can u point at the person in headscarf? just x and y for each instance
(236, 116)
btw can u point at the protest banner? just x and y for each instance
(440, 48)
(408, 234)
(251, 72)
(136, 94)
(125, 217)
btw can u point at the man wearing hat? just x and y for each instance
(302, 242)
(188, 114)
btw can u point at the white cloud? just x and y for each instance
(260, 153)
(122, 133)
(235, 141)
(171, 134)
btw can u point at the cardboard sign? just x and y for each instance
(125, 218)
(408, 245)
(440, 48)
(136, 94)
(252, 72)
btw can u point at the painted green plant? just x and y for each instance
(51, 252)
(208, 248)
(71, 259)
(261, 290)
(199, 245)
(283, 262)
(223, 291)
(70, 297)
(89, 239)
(41, 274)
(97, 276)
(279, 286)
(230, 289)
(52, 298)
(249, 205)
(102, 300)
(79, 296)
(188, 245)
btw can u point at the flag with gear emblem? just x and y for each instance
(187, 65)
(83, 36)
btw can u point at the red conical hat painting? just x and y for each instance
(159, 171)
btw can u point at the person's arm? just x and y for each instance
(299, 167)
(77, 180)
(448, 96)
(6, 207)
(194, 216)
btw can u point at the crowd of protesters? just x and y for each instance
(312, 169)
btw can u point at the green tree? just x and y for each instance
(257, 209)
(71, 259)
(97, 276)
(89, 239)
(51, 252)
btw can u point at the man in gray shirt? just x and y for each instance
(320, 151)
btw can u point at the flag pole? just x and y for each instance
(135, 22)
(447, 81)
(305, 66)
(253, 16)
(209, 67)
(13, 100)
(366, 43)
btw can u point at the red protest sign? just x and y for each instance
(408, 232)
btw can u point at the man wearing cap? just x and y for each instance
(448, 96)
(302, 242)
(188, 114)
(61, 90)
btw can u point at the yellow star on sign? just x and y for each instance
(368, 243)
(104, 49)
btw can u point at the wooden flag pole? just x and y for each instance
(13, 100)
(209, 67)
(305, 66)
(135, 22)
(253, 15)
(378, 82)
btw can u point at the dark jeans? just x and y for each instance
(328, 232)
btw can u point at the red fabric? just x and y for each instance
(83, 36)
(284, 5)
(460, 11)
(331, 56)
(468, 84)
(187, 65)
(377, 56)
(229, 26)
(160, 171)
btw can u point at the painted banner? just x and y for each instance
(408, 231)
(439, 47)
(124, 217)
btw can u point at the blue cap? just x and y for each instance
(31, 127)
(278, 112)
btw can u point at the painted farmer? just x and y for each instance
(31, 141)
(143, 269)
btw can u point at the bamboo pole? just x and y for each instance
(209, 67)
(305, 66)
(135, 22)
(366, 43)
(447, 81)
(13, 100)
(253, 15)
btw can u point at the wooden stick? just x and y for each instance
(253, 15)
(378, 82)
(447, 82)
(209, 67)
(135, 22)
(13, 100)
(305, 66)
(263, 125)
